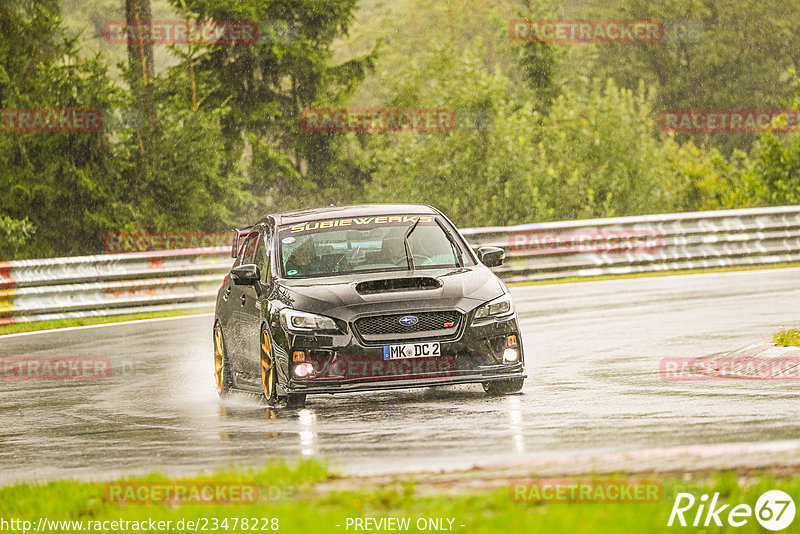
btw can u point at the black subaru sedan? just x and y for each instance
(362, 298)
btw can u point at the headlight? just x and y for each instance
(297, 321)
(498, 307)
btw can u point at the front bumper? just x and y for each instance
(351, 386)
(346, 363)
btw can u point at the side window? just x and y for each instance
(239, 254)
(262, 257)
(247, 252)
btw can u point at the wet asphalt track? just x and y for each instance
(592, 350)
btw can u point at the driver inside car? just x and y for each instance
(393, 251)
(303, 260)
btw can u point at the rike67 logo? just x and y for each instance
(774, 510)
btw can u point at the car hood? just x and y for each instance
(346, 297)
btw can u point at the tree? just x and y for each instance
(593, 154)
(13, 236)
(140, 53)
(63, 182)
(266, 85)
(715, 54)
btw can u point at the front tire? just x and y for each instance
(222, 370)
(503, 387)
(269, 378)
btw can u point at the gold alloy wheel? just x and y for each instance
(219, 357)
(267, 365)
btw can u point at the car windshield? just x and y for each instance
(363, 244)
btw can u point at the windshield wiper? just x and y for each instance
(409, 255)
(453, 245)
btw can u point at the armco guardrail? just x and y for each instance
(36, 290)
(110, 284)
(648, 243)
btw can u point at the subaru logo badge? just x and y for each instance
(408, 320)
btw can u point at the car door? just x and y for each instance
(254, 303)
(239, 331)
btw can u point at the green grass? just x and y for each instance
(790, 338)
(316, 506)
(570, 279)
(84, 321)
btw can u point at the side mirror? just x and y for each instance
(491, 256)
(246, 275)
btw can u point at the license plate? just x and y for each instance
(411, 350)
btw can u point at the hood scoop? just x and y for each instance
(419, 283)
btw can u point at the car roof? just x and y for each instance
(359, 210)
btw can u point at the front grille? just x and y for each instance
(429, 324)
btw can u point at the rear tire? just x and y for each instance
(222, 371)
(503, 387)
